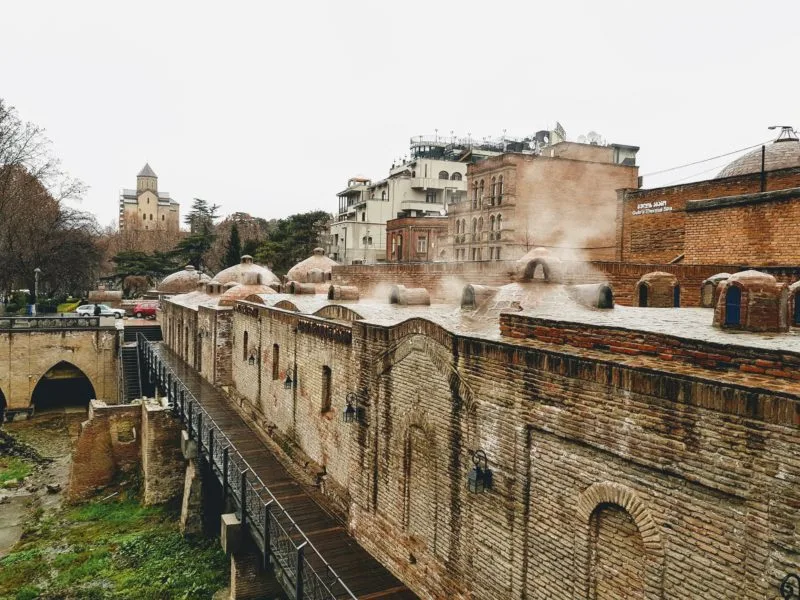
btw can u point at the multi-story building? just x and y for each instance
(560, 195)
(147, 209)
(416, 239)
(433, 178)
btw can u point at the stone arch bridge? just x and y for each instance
(57, 360)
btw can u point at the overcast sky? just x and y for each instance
(269, 107)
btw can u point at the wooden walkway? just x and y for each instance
(365, 576)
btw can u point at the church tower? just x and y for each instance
(147, 180)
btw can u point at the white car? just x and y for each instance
(87, 310)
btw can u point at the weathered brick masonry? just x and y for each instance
(619, 472)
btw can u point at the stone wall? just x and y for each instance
(25, 356)
(108, 443)
(651, 223)
(161, 459)
(686, 471)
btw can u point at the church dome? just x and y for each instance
(783, 153)
(183, 281)
(238, 273)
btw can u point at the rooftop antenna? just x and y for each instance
(787, 133)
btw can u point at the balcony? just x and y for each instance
(424, 183)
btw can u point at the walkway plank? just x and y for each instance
(364, 575)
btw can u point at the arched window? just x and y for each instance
(326, 388)
(148, 200)
(480, 224)
(500, 189)
(491, 223)
(276, 361)
(474, 226)
(244, 346)
(162, 217)
(480, 194)
(499, 222)
(383, 195)
(733, 305)
(474, 195)
(455, 177)
(444, 175)
(494, 188)
(151, 216)
(676, 296)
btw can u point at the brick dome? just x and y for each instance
(183, 281)
(315, 267)
(238, 273)
(538, 263)
(781, 154)
(657, 289)
(752, 301)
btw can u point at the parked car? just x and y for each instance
(88, 310)
(145, 310)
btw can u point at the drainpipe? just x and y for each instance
(763, 170)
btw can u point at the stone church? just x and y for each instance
(147, 209)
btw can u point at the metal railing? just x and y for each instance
(282, 543)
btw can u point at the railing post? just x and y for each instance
(298, 586)
(266, 549)
(225, 473)
(211, 448)
(189, 419)
(200, 432)
(169, 389)
(243, 499)
(183, 404)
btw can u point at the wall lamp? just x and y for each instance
(479, 479)
(252, 359)
(788, 590)
(290, 383)
(352, 410)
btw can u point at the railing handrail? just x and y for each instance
(49, 322)
(274, 502)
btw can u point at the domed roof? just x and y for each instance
(783, 153)
(183, 281)
(240, 291)
(659, 276)
(301, 271)
(752, 277)
(237, 273)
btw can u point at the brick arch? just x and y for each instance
(77, 364)
(287, 305)
(608, 493)
(337, 311)
(441, 358)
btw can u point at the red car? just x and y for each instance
(145, 310)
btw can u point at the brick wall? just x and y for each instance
(108, 443)
(25, 356)
(591, 450)
(757, 229)
(162, 463)
(648, 233)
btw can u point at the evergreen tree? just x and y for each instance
(292, 240)
(233, 251)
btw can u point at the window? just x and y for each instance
(326, 388)
(162, 217)
(494, 189)
(500, 189)
(430, 197)
(480, 224)
(151, 216)
(366, 240)
(497, 253)
(455, 177)
(480, 194)
(474, 227)
(474, 195)
(474, 253)
(643, 294)
(383, 195)
(733, 305)
(276, 361)
(676, 296)
(244, 347)
(444, 175)
(394, 244)
(491, 223)
(364, 216)
(422, 244)
(148, 200)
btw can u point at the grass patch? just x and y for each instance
(13, 467)
(112, 549)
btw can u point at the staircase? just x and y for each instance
(130, 373)
(151, 332)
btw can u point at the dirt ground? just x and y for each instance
(52, 434)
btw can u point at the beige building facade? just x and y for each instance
(147, 209)
(563, 198)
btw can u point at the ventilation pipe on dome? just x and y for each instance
(296, 287)
(474, 295)
(595, 295)
(343, 292)
(404, 296)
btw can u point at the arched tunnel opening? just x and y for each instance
(63, 386)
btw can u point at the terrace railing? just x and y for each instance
(55, 322)
(298, 565)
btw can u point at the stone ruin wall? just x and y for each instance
(610, 480)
